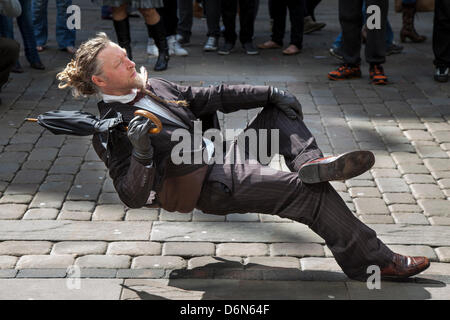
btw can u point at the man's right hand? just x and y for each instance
(139, 137)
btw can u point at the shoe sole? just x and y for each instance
(343, 167)
(224, 53)
(313, 29)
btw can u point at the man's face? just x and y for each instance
(119, 74)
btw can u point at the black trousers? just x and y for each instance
(441, 33)
(235, 187)
(9, 53)
(278, 10)
(213, 10)
(310, 6)
(169, 16)
(351, 19)
(247, 9)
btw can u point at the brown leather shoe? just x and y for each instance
(342, 167)
(269, 45)
(404, 267)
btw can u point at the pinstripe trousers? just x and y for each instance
(252, 187)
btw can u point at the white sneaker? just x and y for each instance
(175, 48)
(152, 49)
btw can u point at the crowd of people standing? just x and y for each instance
(169, 28)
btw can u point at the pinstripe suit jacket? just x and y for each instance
(177, 187)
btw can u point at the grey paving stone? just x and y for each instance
(437, 268)
(444, 183)
(16, 198)
(233, 231)
(418, 135)
(384, 162)
(435, 207)
(42, 154)
(412, 234)
(246, 217)
(437, 164)
(158, 262)
(272, 218)
(109, 198)
(252, 263)
(103, 261)
(426, 151)
(385, 173)
(145, 214)
(12, 211)
(30, 176)
(19, 248)
(412, 168)
(184, 249)
(426, 191)
(442, 136)
(109, 213)
(134, 248)
(439, 221)
(42, 273)
(140, 273)
(410, 218)
(321, 269)
(98, 273)
(415, 251)
(370, 206)
(41, 214)
(296, 249)
(79, 206)
(79, 248)
(21, 188)
(44, 199)
(174, 216)
(394, 198)
(90, 176)
(371, 218)
(404, 208)
(56, 289)
(8, 273)
(364, 192)
(418, 178)
(62, 230)
(7, 262)
(45, 262)
(443, 254)
(84, 192)
(392, 185)
(242, 249)
(74, 215)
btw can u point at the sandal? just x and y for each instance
(269, 45)
(291, 50)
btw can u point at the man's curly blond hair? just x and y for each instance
(79, 71)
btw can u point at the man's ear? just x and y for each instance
(98, 81)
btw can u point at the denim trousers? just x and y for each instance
(25, 23)
(64, 36)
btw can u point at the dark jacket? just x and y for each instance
(177, 187)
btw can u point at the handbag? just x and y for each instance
(421, 5)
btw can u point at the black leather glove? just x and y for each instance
(140, 139)
(286, 102)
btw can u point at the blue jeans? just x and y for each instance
(25, 24)
(389, 33)
(64, 36)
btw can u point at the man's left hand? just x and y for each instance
(286, 102)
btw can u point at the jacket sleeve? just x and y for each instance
(132, 180)
(224, 98)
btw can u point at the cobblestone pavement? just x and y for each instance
(58, 207)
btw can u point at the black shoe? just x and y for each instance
(393, 49)
(250, 48)
(226, 48)
(342, 167)
(163, 61)
(37, 65)
(441, 74)
(337, 53)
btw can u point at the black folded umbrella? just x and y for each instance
(81, 123)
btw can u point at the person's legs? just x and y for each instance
(229, 11)
(296, 15)
(441, 40)
(245, 186)
(376, 38)
(64, 36)
(155, 30)
(246, 20)
(40, 24)
(279, 11)
(9, 51)
(168, 15)
(408, 30)
(212, 9)
(351, 20)
(310, 7)
(25, 23)
(185, 10)
(122, 27)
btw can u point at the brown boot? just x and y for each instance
(408, 30)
